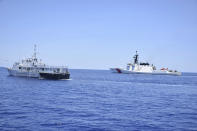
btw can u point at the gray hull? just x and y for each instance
(23, 74)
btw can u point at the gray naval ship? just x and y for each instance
(33, 67)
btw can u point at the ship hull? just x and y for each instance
(119, 70)
(51, 76)
(23, 74)
(56, 76)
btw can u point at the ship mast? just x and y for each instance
(34, 52)
(136, 57)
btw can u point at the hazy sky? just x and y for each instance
(99, 34)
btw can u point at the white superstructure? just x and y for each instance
(143, 68)
(33, 67)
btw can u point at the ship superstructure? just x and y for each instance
(33, 67)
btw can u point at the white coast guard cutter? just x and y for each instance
(143, 68)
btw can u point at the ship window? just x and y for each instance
(58, 70)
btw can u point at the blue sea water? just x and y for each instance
(99, 100)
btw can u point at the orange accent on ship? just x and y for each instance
(118, 70)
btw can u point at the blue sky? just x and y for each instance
(99, 34)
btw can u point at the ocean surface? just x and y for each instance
(99, 100)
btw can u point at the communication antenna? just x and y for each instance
(35, 51)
